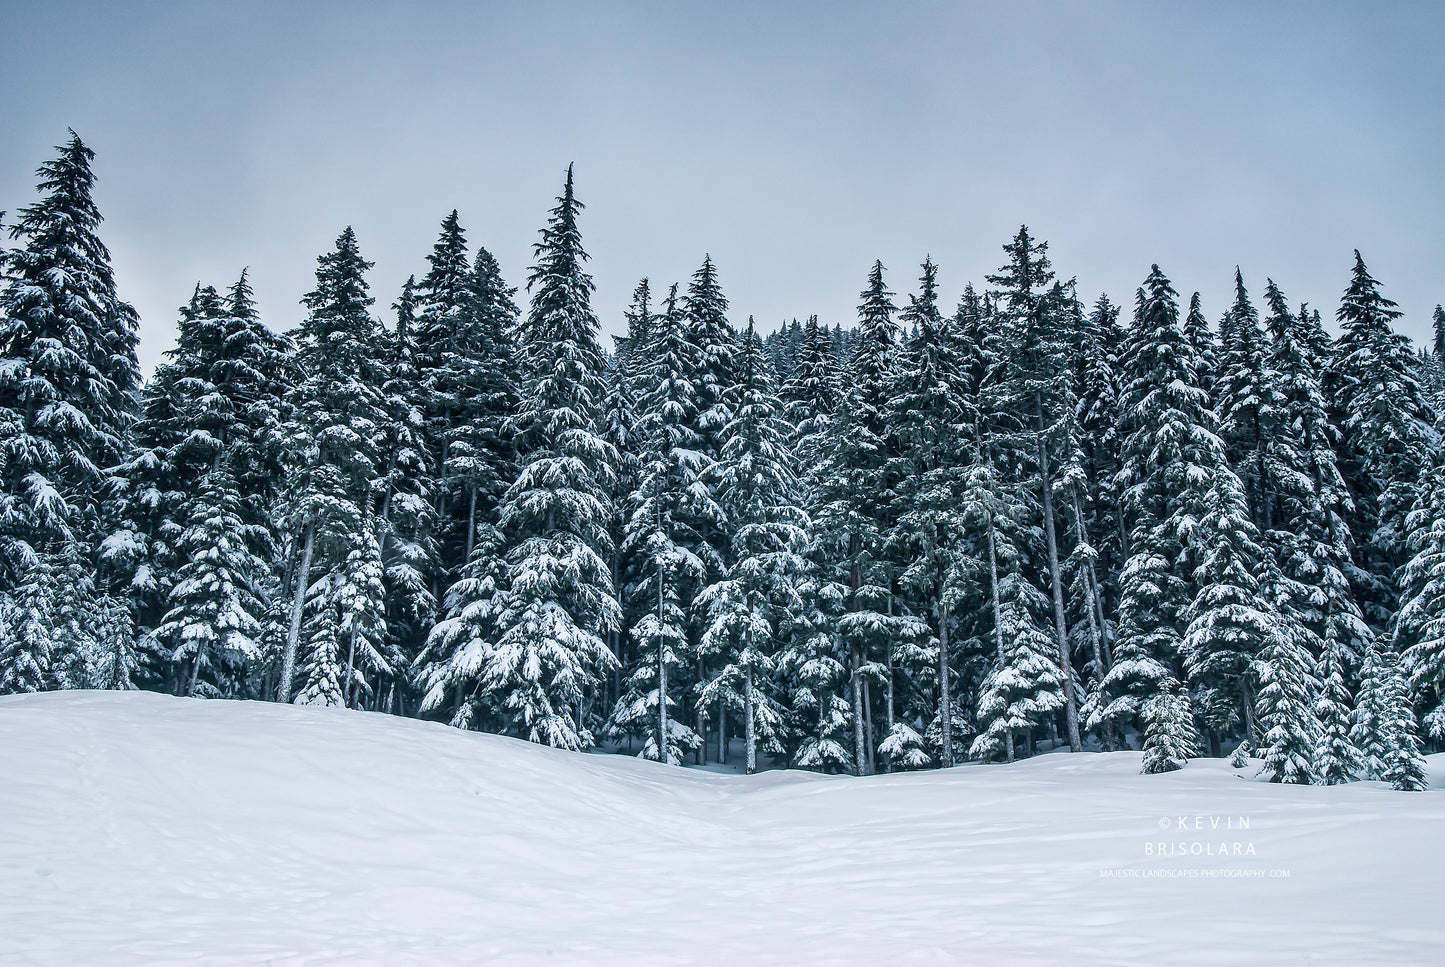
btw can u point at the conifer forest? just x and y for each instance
(962, 526)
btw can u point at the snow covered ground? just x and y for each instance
(142, 829)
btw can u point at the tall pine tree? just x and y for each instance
(556, 597)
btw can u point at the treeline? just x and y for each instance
(933, 536)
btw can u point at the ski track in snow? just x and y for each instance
(142, 829)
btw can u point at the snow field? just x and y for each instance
(137, 828)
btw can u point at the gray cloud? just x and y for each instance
(794, 142)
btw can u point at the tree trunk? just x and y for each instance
(1250, 726)
(386, 495)
(1061, 629)
(860, 756)
(614, 634)
(662, 753)
(868, 719)
(945, 702)
(293, 634)
(1123, 534)
(471, 524)
(699, 719)
(888, 703)
(1093, 609)
(348, 693)
(195, 673)
(998, 622)
(749, 739)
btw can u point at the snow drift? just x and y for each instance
(142, 829)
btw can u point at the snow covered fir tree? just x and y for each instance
(1020, 524)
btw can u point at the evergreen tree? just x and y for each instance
(346, 642)
(1202, 340)
(1169, 738)
(1303, 481)
(68, 378)
(1386, 433)
(455, 659)
(1437, 359)
(1285, 702)
(813, 668)
(716, 343)
(1385, 729)
(640, 319)
(705, 309)
(1311, 538)
(672, 507)
(620, 429)
(1247, 407)
(811, 394)
(175, 445)
(1037, 391)
(480, 462)
(557, 598)
(1095, 497)
(860, 446)
(1336, 759)
(33, 644)
(406, 519)
(1230, 620)
(1171, 454)
(934, 418)
(758, 594)
(333, 478)
(213, 626)
(215, 407)
(254, 371)
(1025, 685)
(445, 357)
(1420, 626)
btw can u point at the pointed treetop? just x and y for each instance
(66, 217)
(1027, 274)
(638, 315)
(1277, 304)
(242, 297)
(558, 338)
(1197, 311)
(68, 180)
(448, 259)
(875, 312)
(705, 301)
(342, 296)
(926, 302)
(1196, 324)
(1363, 306)
(205, 303)
(1159, 291)
(560, 255)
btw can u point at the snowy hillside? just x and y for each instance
(141, 829)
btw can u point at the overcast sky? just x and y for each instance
(795, 142)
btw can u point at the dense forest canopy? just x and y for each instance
(942, 533)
